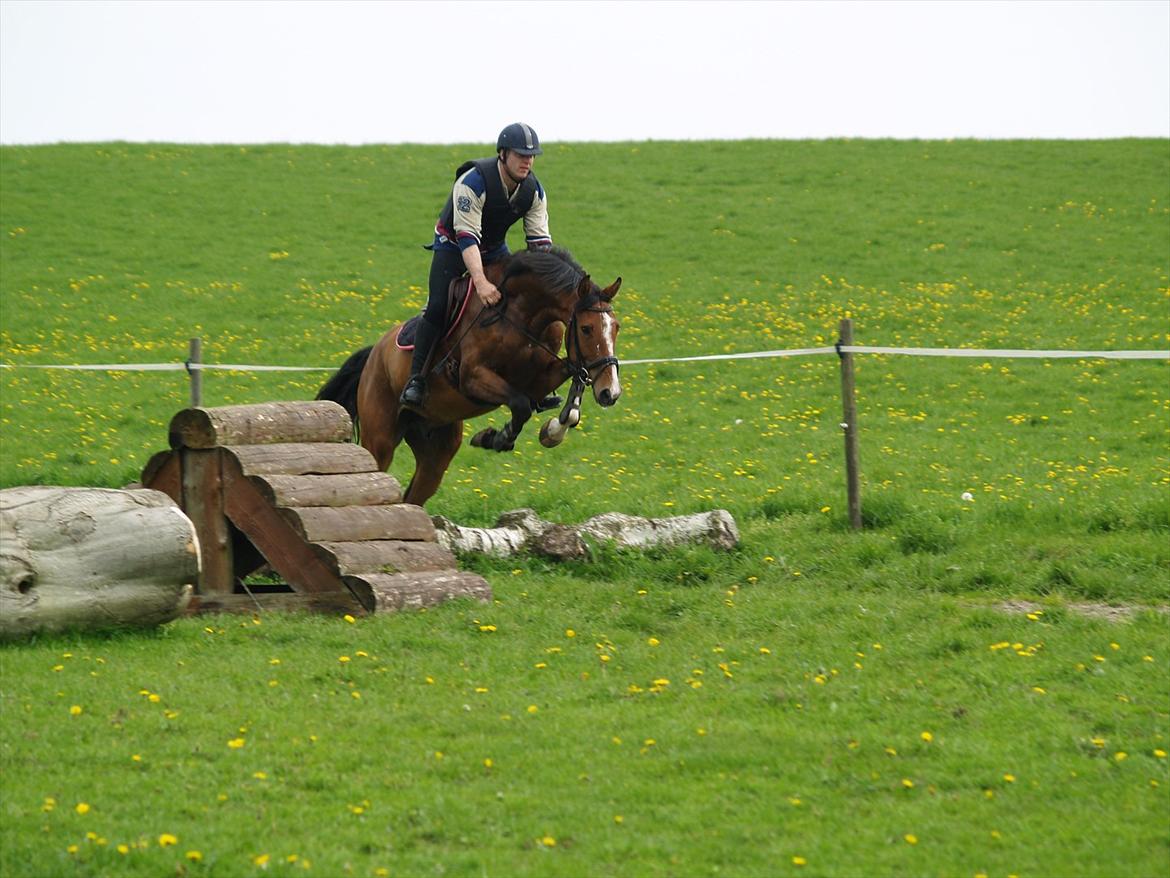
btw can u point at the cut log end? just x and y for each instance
(92, 558)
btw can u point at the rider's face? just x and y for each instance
(518, 166)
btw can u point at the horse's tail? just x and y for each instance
(343, 386)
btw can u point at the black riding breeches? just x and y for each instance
(446, 265)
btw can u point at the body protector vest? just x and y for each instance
(499, 214)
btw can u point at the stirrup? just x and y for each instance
(414, 394)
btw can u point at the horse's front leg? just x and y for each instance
(490, 387)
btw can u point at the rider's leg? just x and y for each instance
(446, 265)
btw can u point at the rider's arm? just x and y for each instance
(536, 233)
(468, 197)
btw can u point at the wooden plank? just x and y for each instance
(302, 458)
(164, 472)
(285, 550)
(401, 521)
(319, 602)
(384, 556)
(261, 424)
(382, 593)
(342, 489)
(202, 500)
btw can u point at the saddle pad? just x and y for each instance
(458, 296)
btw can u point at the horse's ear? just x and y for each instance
(585, 287)
(611, 291)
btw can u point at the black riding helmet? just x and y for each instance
(519, 138)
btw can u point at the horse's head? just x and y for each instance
(592, 341)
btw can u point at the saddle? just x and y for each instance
(458, 296)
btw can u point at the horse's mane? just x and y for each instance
(556, 268)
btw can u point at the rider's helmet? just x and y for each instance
(520, 138)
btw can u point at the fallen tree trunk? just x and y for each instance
(90, 558)
(523, 530)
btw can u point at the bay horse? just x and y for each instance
(503, 355)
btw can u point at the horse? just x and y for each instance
(501, 355)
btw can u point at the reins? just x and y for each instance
(580, 372)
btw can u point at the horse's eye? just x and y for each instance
(587, 330)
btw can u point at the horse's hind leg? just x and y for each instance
(381, 430)
(433, 450)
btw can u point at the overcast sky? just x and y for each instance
(456, 72)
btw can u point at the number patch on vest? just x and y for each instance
(464, 204)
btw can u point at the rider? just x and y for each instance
(488, 197)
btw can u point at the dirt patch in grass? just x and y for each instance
(1110, 612)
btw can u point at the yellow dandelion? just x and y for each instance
(75, 710)
(910, 838)
(166, 840)
(236, 743)
(799, 861)
(548, 841)
(261, 860)
(927, 737)
(82, 808)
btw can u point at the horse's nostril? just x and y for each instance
(607, 398)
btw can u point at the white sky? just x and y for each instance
(446, 72)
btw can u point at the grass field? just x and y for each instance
(928, 696)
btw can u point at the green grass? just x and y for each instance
(788, 727)
(297, 255)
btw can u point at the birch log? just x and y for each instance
(90, 558)
(523, 530)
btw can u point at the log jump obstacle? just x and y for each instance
(282, 484)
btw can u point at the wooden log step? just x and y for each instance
(319, 602)
(302, 458)
(341, 489)
(261, 424)
(401, 521)
(383, 593)
(384, 556)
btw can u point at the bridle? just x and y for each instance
(573, 363)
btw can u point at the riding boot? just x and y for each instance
(414, 394)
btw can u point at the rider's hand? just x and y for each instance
(487, 292)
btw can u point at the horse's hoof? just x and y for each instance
(483, 439)
(546, 437)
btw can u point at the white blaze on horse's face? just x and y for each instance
(607, 386)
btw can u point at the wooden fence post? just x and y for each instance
(849, 425)
(195, 358)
